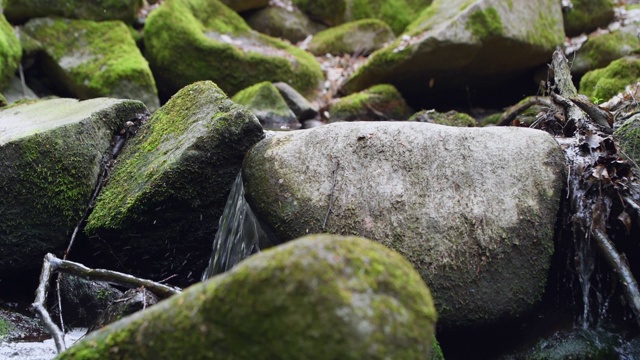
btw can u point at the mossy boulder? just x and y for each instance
(51, 153)
(603, 84)
(397, 13)
(291, 24)
(380, 102)
(600, 50)
(463, 43)
(170, 185)
(357, 37)
(18, 11)
(319, 297)
(300, 106)
(244, 5)
(450, 118)
(93, 59)
(587, 15)
(628, 136)
(216, 44)
(266, 103)
(435, 194)
(10, 52)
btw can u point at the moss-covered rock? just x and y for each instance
(93, 59)
(436, 194)
(464, 43)
(51, 153)
(587, 15)
(215, 44)
(171, 182)
(18, 11)
(380, 102)
(397, 13)
(357, 37)
(10, 51)
(603, 84)
(300, 106)
(291, 24)
(600, 50)
(319, 297)
(628, 136)
(266, 103)
(244, 5)
(450, 118)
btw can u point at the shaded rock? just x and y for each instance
(291, 24)
(309, 124)
(18, 327)
(216, 44)
(450, 118)
(266, 103)
(300, 106)
(83, 301)
(587, 15)
(603, 84)
(628, 136)
(51, 153)
(100, 59)
(360, 37)
(18, 11)
(133, 300)
(164, 198)
(436, 194)
(16, 90)
(600, 50)
(244, 5)
(10, 51)
(397, 13)
(460, 43)
(380, 102)
(319, 297)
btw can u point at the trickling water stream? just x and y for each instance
(239, 233)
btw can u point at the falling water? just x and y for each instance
(239, 233)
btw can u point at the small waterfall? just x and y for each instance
(239, 233)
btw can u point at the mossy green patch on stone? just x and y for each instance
(380, 102)
(485, 23)
(216, 44)
(22, 10)
(10, 51)
(450, 118)
(356, 37)
(171, 182)
(51, 153)
(94, 59)
(318, 297)
(607, 82)
(265, 101)
(600, 50)
(588, 15)
(397, 13)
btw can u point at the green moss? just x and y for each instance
(362, 36)
(629, 138)
(588, 15)
(607, 82)
(262, 95)
(599, 51)
(450, 118)
(323, 296)
(101, 59)
(5, 327)
(195, 28)
(21, 10)
(543, 33)
(485, 23)
(10, 51)
(384, 99)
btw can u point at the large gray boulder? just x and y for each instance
(51, 153)
(100, 59)
(320, 297)
(458, 43)
(168, 190)
(473, 209)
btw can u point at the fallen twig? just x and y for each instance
(513, 112)
(52, 264)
